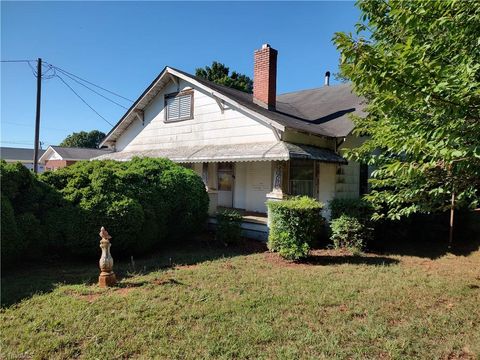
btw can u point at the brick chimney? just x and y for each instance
(265, 77)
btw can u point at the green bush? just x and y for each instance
(142, 203)
(357, 208)
(22, 210)
(295, 225)
(229, 229)
(11, 243)
(349, 233)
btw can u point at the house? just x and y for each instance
(248, 148)
(21, 155)
(57, 157)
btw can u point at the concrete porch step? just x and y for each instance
(252, 227)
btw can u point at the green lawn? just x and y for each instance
(214, 302)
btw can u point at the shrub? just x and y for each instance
(357, 208)
(22, 209)
(349, 233)
(229, 227)
(295, 225)
(142, 203)
(11, 242)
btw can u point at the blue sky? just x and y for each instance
(122, 46)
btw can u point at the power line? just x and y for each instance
(89, 82)
(33, 69)
(30, 126)
(95, 111)
(89, 88)
(75, 78)
(15, 61)
(17, 142)
(50, 68)
(23, 142)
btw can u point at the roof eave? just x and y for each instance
(42, 159)
(169, 70)
(133, 107)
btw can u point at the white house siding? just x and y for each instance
(348, 176)
(258, 185)
(208, 127)
(308, 139)
(240, 186)
(198, 168)
(326, 185)
(54, 156)
(253, 181)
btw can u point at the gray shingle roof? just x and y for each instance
(71, 153)
(18, 154)
(322, 111)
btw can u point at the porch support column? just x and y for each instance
(277, 193)
(205, 175)
(210, 187)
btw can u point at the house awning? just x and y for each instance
(271, 151)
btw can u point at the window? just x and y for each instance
(179, 106)
(301, 177)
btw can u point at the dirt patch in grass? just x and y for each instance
(169, 281)
(462, 355)
(92, 293)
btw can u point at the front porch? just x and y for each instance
(254, 224)
(244, 176)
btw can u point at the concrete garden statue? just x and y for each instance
(107, 276)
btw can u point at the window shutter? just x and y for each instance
(179, 107)
(173, 109)
(185, 106)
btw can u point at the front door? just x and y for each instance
(225, 184)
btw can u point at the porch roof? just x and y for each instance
(269, 151)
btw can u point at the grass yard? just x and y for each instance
(215, 302)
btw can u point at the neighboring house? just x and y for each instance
(24, 156)
(248, 148)
(57, 157)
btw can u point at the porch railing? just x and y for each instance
(301, 187)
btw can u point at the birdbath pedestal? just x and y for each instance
(107, 276)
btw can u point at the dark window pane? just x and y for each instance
(301, 177)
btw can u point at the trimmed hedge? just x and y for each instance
(229, 229)
(26, 204)
(142, 203)
(295, 225)
(11, 243)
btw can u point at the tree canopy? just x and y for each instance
(417, 64)
(83, 139)
(219, 73)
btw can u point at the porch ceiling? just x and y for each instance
(269, 151)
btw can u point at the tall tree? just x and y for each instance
(219, 74)
(417, 63)
(83, 139)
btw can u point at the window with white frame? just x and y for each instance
(179, 106)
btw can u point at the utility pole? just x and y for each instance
(37, 118)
